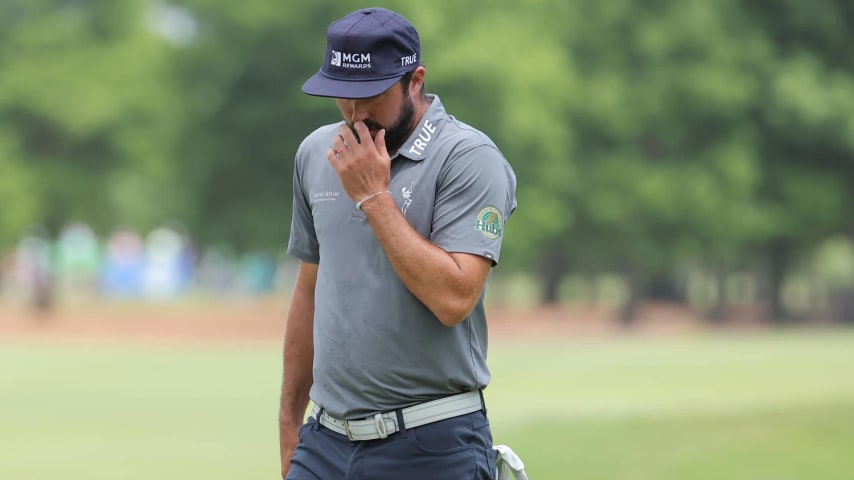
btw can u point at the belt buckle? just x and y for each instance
(347, 431)
(379, 424)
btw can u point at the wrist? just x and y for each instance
(361, 203)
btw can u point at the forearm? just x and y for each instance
(298, 356)
(441, 281)
(297, 377)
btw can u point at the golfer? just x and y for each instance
(399, 213)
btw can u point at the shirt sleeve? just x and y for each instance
(302, 243)
(475, 197)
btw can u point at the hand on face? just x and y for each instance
(363, 168)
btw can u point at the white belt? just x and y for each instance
(382, 425)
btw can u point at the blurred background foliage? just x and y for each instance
(684, 151)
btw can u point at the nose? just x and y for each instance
(354, 109)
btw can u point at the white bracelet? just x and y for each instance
(375, 194)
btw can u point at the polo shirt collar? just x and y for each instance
(424, 136)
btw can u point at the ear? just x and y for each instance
(417, 82)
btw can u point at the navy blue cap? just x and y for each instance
(366, 53)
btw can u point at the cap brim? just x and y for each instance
(320, 85)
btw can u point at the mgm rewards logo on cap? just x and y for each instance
(350, 60)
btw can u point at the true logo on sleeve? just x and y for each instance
(490, 222)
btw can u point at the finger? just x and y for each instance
(379, 142)
(362, 130)
(347, 136)
(333, 154)
(330, 155)
(339, 144)
(338, 141)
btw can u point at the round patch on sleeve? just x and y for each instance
(490, 222)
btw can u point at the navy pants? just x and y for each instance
(458, 448)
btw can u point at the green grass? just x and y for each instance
(771, 406)
(122, 412)
(763, 406)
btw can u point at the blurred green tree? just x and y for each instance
(667, 154)
(649, 139)
(85, 115)
(241, 78)
(804, 117)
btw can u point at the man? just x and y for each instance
(398, 218)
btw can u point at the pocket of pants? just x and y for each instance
(444, 437)
(305, 426)
(491, 463)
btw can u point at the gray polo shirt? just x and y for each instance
(376, 346)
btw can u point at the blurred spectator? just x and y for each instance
(78, 260)
(257, 273)
(217, 271)
(32, 274)
(168, 265)
(124, 265)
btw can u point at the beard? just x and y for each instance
(398, 132)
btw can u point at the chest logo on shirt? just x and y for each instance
(490, 222)
(327, 196)
(406, 192)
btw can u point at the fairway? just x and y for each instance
(758, 406)
(762, 406)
